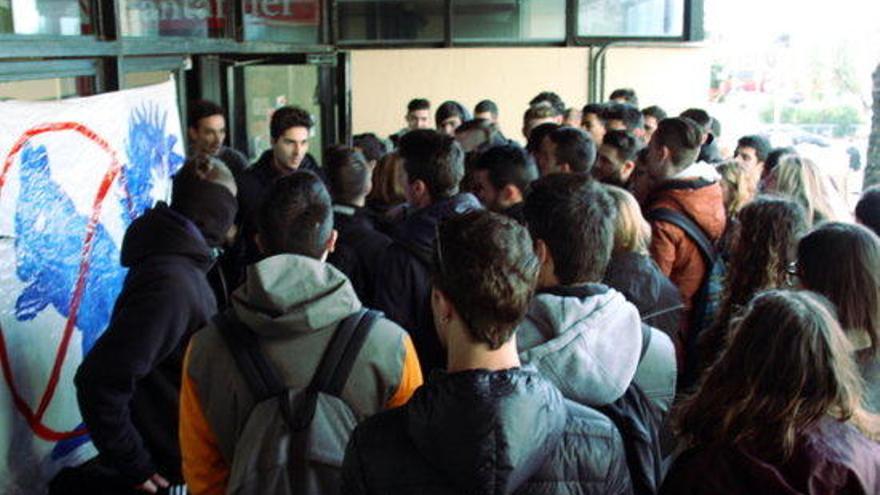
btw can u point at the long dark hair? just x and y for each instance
(763, 248)
(841, 261)
(788, 365)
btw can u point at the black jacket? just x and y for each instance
(640, 280)
(128, 385)
(490, 433)
(359, 249)
(403, 289)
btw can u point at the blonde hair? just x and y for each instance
(632, 233)
(742, 186)
(800, 179)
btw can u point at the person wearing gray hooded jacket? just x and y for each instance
(584, 336)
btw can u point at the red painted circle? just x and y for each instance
(35, 419)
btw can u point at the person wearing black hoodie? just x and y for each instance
(360, 246)
(487, 425)
(433, 166)
(290, 132)
(128, 385)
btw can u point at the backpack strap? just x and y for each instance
(335, 366)
(685, 223)
(244, 345)
(338, 360)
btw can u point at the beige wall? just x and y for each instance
(676, 78)
(383, 82)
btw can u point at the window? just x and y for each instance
(286, 21)
(47, 89)
(138, 79)
(267, 87)
(391, 20)
(630, 18)
(46, 17)
(508, 20)
(190, 18)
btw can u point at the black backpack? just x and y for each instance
(639, 422)
(707, 298)
(294, 440)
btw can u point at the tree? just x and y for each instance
(872, 170)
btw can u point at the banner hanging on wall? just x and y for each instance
(74, 175)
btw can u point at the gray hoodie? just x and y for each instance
(588, 340)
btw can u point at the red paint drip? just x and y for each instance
(35, 420)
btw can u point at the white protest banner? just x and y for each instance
(74, 174)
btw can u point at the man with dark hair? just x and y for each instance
(772, 160)
(360, 247)
(593, 120)
(450, 115)
(617, 158)
(294, 303)
(206, 129)
(868, 209)
(371, 146)
(487, 425)
(751, 153)
(536, 137)
(290, 129)
(626, 96)
(584, 336)
(418, 116)
(572, 117)
(486, 109)
(652, 115)
(433, 166)
(477, 134)
(623, 117)
(566, 150)
(502, 175)
(688, 187)
(540, 114)
(549, 97)
(709, 152)
(128, 385)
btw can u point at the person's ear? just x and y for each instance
(626, 170)
(420, 190)
(330, 246)
(665, 153)
(565, 168)
(510, 194)
(547, 273)
(192, 133)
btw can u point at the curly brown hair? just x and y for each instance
(764, 247)
(788, 365)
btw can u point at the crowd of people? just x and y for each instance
(617, 307)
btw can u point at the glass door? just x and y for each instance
(259, 87)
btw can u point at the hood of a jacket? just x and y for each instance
(490, 431)
(640, 280)
(587, 340)
(291, 293)
(163, 231)
(420, 228)
(701, 199)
